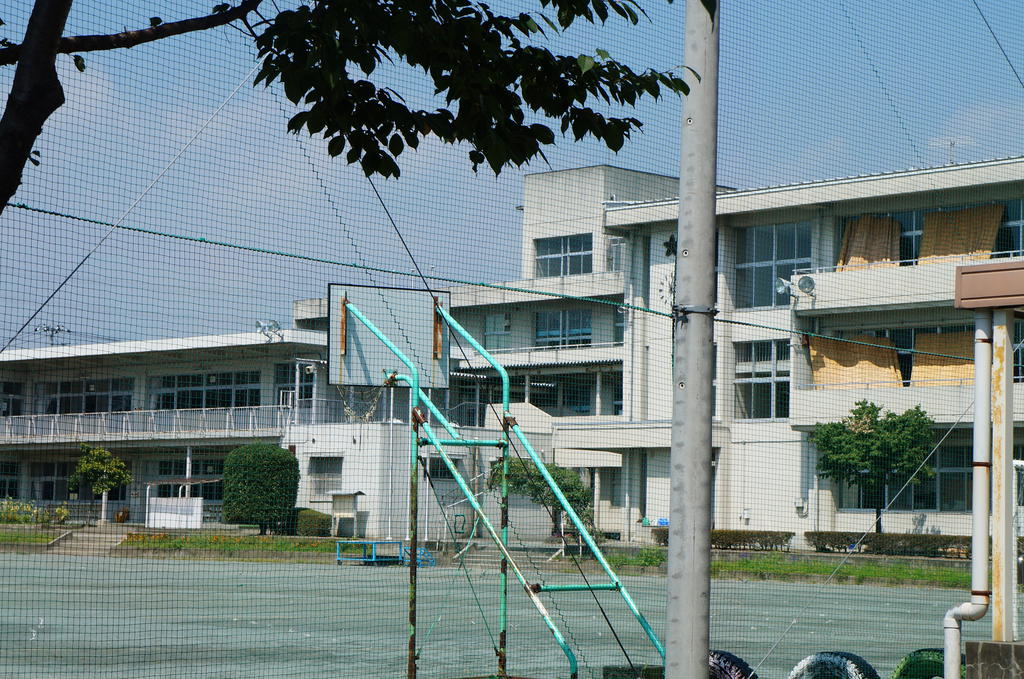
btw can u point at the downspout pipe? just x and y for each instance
(977, 607)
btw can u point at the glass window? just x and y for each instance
(439, 470)
(762, 379)
(763, 255)
(564, 255)
(84, 396)
(616, 259)
(211, 390)
(284, 381)
(11, 398)
(567, 327)
(325, 474)
(498, 331)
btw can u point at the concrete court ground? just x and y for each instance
(123, 618)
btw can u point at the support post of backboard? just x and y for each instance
(1004, 547)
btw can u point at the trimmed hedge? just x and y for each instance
(831, 541)
(893, 544)
(311, 523)
(755, 540)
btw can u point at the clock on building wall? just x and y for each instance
(667, 288)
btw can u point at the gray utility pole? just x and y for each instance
(687, 636)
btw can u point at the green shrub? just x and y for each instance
(660, 536)
(893, 544)
(24, 511)
(758, 540)
(261, 482)
(311, 523)
(831, 541)
(912, 544)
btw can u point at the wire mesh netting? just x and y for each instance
(194, 479)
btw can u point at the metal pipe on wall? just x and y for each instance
(976, 608)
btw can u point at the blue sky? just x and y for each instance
(808, 91)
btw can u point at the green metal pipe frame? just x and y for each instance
(587, 538)
(501, 539)
(496, 538)
(569, 511)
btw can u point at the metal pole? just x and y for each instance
(391, 458)
(689, 555)
(1004, 548)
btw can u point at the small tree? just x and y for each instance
(101, 472)
(525, 479)
(261, 482)
(870, 450)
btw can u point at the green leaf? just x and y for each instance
(79, 62)
(602, 53)
(155, 21)
(585, 63)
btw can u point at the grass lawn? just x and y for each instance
(792, 567)
(232, 543)
(776, 566)
(23, 538)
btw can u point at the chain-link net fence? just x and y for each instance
(197, 476)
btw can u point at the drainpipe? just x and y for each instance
(976, 608)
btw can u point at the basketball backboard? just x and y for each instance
(405, 316)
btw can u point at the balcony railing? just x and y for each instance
(136, 423)
(957, 259)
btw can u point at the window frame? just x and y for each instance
(802, 236)
(775, 371)
(558, 256)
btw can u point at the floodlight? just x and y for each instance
(782, 287)
(806, 285)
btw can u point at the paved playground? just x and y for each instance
(105, 617)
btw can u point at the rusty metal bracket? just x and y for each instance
(508, 422)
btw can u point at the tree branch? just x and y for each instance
(35, 94)
(92, 43)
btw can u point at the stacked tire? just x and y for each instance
(833, 665)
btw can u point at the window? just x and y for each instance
(564, 255)
(212, 390)
(439, 470)
(905, 340)
(567, 327)
(562, 395)
(325, 475)
(498, 331)
(9, 472)
(49, 480)
(616, 258)
(620, 317)
(762, 379)
(10, 400)
(948, 490)
(203, 467)
(85, 396)
(284, 381)
(765, 254)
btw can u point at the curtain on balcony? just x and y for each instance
(960, 232)
(870, 240)
(937, 369)
(843, 364)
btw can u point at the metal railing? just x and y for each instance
(894, 263)
(145, 422)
